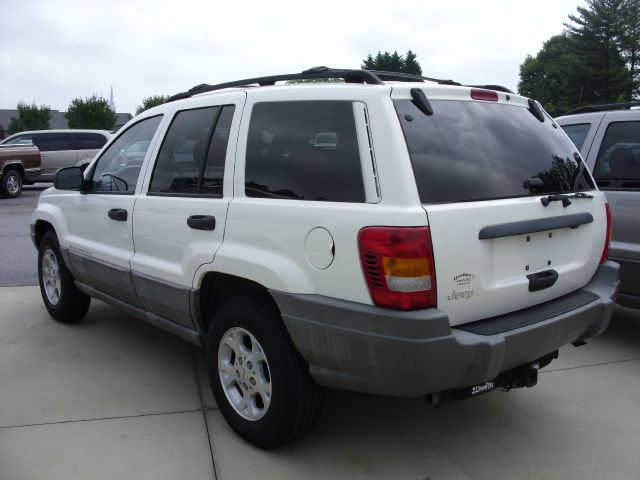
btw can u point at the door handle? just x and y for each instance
(119, 214)
(542, 280)
(202, 222)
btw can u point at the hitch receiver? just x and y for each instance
(520, 377)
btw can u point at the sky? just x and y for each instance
(54, 51)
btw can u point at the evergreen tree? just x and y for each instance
(92, 112)
(30, 117)
(596, 31)
(411, 64)
(596, 59)
(630, 43)
(393, 62)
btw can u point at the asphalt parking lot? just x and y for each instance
(115, 398)
(17, 255)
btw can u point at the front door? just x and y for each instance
(100, 219)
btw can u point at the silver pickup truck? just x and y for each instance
(608, 137)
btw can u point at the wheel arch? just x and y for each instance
(40, 227)
(49, 216)
(17, 166)
(216, 287)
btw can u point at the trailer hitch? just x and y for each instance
(525, 376)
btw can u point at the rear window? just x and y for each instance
(469, 151)
(577, 133)
(90, 141)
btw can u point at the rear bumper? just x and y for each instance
(369, 349)
(629, 294)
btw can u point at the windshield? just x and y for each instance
(468, 151)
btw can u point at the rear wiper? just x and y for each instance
(563, 198)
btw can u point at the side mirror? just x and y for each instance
(70, 178)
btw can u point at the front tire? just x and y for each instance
(61, 297)
(11, 184)
(261, 383)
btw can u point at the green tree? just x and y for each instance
(411, 64)
(630, 43)
(30, 117)
(553, 77)
(393, 62)
(595, 60)
(152, 101)
(92, 112)
(597, 30)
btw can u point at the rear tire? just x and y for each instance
(61, 297)
(11, 184)
(261, 383)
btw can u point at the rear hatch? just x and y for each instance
(498, 181)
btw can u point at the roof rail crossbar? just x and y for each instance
(603, 107)
(349, 76)
(408, 77)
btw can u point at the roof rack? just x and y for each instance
(408, 77)
(604, 107)
(350, 76)
(372, 77)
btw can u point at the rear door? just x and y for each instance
(482, 169)
(180, 222)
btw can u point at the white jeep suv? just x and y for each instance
(388, 234)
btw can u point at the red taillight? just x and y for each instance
(482, 94)
(607, 239)
(398, 265)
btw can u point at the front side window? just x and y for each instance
(191, 159)
(304, 150)
(577, 133)
(116, 171)
(618, 162)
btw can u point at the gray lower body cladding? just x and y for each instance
(374, 350)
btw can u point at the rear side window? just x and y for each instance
(304, 150)
(468, 151)
(577, 133)
(54, 142)
(89, 141)
(618, 162)
(193, 137)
